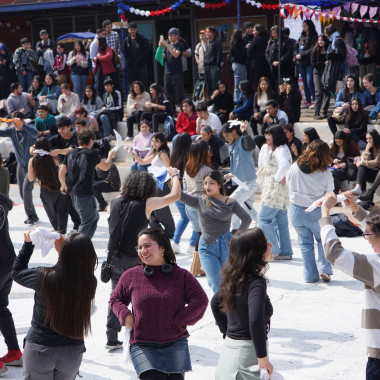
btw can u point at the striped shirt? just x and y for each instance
(362, 267)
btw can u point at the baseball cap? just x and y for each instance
(43, 31)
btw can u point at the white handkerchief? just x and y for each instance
(236, 180)
(126, 357)
(119, 141)
(42, 152)
(44, 239)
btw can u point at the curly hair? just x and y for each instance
(245, 260)
(316, 156)
(44, 167)
(139, 185)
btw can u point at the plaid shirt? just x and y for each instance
(113, 41)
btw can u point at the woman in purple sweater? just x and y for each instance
(165, 300)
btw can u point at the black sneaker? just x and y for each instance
(113, 345)
(31, 221)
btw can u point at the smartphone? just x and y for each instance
(161, 37)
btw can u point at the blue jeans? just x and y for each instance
(136, 166)
(240, 74)
(182, 224)
(79, 82)
(85, 205)
(307, 228)
(25, 80)
(192, 214)
(245, 198)
(107, 126)
(274, 223)
(213, 257)
(308, 81)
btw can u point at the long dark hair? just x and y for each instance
(164, 146)
(82, 49)
(376, 138)
(217, 176)
(102, 45)
(132, 91)
(311, 133)
(340, 135)
(356, 88)
(158, 235)
(311, 26)
(139, 185)
(198, 156)
(190, 103)
(237, 37)
(93, 97)
(44, 167)
(246, 89)
(159, 90)
(178, 158)
(68, 288)
(53, 80)
(245, 260)
(259, 91)
(357, 116)
(278, 134)
(317, 48)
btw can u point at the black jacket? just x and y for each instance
(256, 53)
(238, 53)
(214, 53)
(222, 102)
(291, 104)
(139, 55)
(318, 60)
(304, 46)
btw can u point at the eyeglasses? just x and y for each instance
(145, 246)
(367, 234)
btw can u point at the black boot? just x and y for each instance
(368, 196)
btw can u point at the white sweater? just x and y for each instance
(305, 188)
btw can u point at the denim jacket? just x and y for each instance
(367, 101)
(241, 159)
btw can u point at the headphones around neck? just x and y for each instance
(149, 271)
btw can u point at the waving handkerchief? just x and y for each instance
(44, 239)
(119, 141)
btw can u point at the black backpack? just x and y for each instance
(344, 227)
(11, 165)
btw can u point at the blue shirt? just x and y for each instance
(22, 141)
(368, 101)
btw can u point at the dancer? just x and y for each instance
(242, 308)
(130, 214)
(215, 212)
(165, 300)
(54, 344)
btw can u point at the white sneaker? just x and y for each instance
(190, 249)
(357, 190)
(128, 138)
(175, 247)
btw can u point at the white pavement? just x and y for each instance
(315, 330)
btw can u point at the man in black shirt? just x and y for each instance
(136, 48)
(76, 177)
(173, 80)
(294, 144)
(7, 257)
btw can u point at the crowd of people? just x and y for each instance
(61, 138)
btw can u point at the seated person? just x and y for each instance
(294, 143)
(91, 102)
(351, 90)
(341, 148)
(158, 107)
(290, 100)
(371, 96)
(35, 88)
(244, 109)
(222, 101)
(67, 102)
(263, 94)
(214, 142)
(274, 116)
(50, 93)
(187, 118)
(355, 123)
(112, 111)
(142, 145)
(45, 122)
(105, 182)
(20, 101)
(207, 118)
(91, 123)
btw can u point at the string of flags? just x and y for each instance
(123, 8)
(289, 10)
(13, 28)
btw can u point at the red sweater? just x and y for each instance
(106, 60)
(186, 124)
(163, 305)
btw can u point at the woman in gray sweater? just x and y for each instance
(215, 211)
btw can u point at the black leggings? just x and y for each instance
(157, 375)
(366, 175)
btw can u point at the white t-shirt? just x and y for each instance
(212, 121)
